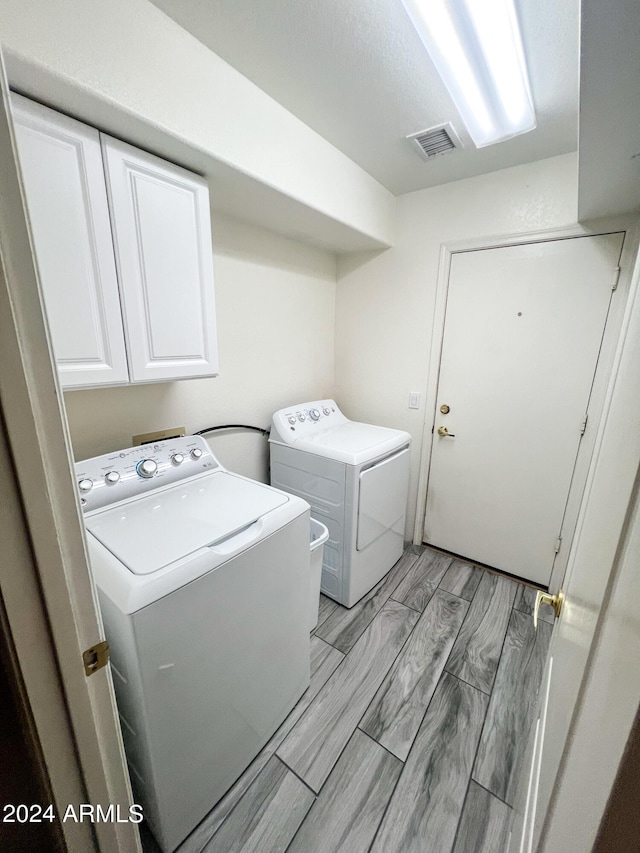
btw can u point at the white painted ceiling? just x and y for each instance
(356, 72)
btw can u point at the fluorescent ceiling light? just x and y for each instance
(476, 48)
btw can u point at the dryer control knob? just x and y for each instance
(326, 410)
(314, 414)
(146, 468)
(85, 485)
(111, 478)
(177, 459)
(196, 453)
(302, 416)
(291, 419)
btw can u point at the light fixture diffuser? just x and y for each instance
(476, 48)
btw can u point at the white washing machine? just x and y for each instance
(356, 479)
(203, 582)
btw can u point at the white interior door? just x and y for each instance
(45, 582)
(591, 687)
(523, 331)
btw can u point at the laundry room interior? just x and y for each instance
(434, 356)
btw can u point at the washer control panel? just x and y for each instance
(306, 419)
(113, 477)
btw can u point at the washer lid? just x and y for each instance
(150, 533)
(353, 442)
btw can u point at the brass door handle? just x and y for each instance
(555, 601)
(444, 432)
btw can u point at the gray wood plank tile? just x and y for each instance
(267, 817)
(326, 608)
(394, 716)
(324, 660)
(343, 627)
(512, 706)
(485, 823)
(476, 653)
(350, 806)
(427, 803)
(317, 740)
(421, 580)
(525, 602)
(461, 579)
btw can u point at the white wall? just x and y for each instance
(129, 69)
(385, 300)
(275, 301)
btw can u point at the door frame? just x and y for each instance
(47, 588)
(613, 328)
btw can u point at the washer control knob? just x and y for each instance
(146, 468)
(302, 416)
(314, 414)
(177, 459)
(196, 453)
(291, 419)
(111, 478)
(326, 410)
(85, 485)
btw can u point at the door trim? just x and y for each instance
(28, 630)
(631, 229)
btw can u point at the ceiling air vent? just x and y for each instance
(436, 140)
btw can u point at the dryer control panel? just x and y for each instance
(305, 419)
(113, 477)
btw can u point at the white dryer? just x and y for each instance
(203, 585)
(356, 478)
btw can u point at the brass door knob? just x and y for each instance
(555, 601)
(444, 432)
(445, 409)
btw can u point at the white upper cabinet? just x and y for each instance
(125, 257)
(63, 178)
(162, 236)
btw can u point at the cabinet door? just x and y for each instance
(162, 235)
(63, 176)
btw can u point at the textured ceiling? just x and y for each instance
(356, 72)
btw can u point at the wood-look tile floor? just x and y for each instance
(412, 733)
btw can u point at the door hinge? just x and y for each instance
(615, 282)
(583, 427)
(558, 544)
(96, 657)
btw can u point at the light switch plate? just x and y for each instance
(414, 399)
(159, 435)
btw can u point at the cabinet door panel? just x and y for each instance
(63, 176)
(162, 233)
